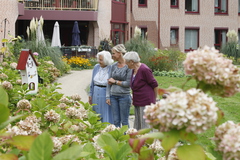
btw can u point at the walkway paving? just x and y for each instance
(78, 82)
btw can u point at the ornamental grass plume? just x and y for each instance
(227, 139)
(192, 110)
(213, 71)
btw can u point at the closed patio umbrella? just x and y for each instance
(75, 35)
(56, 42)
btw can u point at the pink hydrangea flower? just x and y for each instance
(35, 54)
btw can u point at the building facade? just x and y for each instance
(186, 25)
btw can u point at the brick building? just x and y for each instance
(185, 24)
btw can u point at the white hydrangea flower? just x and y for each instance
(13, 65)
(3, 76)
(65, 100)
(18, 81)
(227, 138)
(52, 116)
(7, 85)
(76, 97)
(57, 145)
(24, 104)
(67, 138)
(4, 64)
(109, 128)
(50, 62)
(131, 130)
(62, 105)
(75, 128)
(192, 110)
(157, 147)
(209, 66)
(83, 126)
(29, 126)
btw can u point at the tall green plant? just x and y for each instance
(142, 46)
(231, 48)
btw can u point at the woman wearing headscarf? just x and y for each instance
(118, 92)
(144, 87)
(97, 94)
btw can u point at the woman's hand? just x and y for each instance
(108, 102)
(111, 81)
(90, 100)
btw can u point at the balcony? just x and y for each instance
(74, 5)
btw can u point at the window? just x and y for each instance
(238, 36)
(174, 36)
(191, 39)
(142, 3)
(221, 6)
(191, 6)
(238, 6)
(118, 33)
(174, 3)
(220, 37)
(143, 32)
(123, 1)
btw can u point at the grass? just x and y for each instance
(230, 106)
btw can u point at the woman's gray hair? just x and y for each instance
(107, 57)
(132, 56)
(120, 48)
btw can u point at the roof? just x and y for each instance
(23, 59)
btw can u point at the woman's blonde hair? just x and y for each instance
(120, 48)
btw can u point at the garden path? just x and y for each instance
(78, 82)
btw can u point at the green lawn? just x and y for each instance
(230, 106)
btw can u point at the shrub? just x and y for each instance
(167, 60)
(78, 62)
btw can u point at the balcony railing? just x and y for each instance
(80, 5)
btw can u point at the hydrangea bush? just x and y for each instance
(64, 127)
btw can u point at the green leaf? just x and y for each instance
(41, 148)
(22, 142)
(190, 152)
(146, 154)
(109, 144)
(72, 153)
(210, 156)
(8, 157)
(54, 128)
(155, 135)
(4, 124)
(123, 151)
(191, 137)
(170, 140)
(3, 97)
(4, 113)
(136, 144)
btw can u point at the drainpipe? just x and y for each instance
(159, 24)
